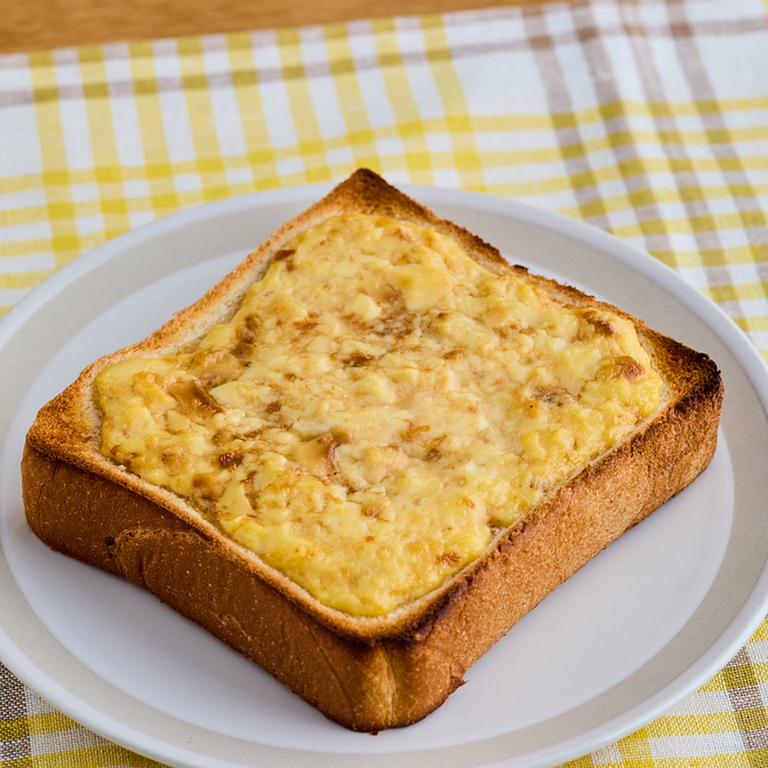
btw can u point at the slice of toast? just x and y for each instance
(391, 667)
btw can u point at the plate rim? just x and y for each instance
(751, 364)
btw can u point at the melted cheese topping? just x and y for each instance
(377, 408)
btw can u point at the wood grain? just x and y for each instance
(27, 25)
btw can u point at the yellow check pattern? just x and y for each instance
(649, 120)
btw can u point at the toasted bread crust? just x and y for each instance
(367, 674)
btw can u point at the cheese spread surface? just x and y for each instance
(377, 408)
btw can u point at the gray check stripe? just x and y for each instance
(749, 707)
(13, 710)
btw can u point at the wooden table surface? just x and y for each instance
(27, 25)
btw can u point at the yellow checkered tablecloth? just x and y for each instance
(648, 119)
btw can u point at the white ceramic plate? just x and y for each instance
(644, 624)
